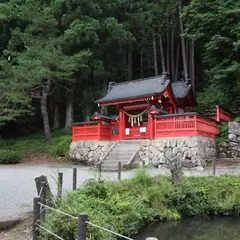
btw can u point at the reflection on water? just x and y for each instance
(194, 228)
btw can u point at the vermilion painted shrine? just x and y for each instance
(150, 108)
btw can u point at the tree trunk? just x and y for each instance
(162, 54)
(187, 55)
(172, 54)
(129, 65)
(141, 64)
(44, 111)
(56, 123)
(168, 57)
(177, 64)
(69, 114)
(155, 56)
(86, 115)
(182, 41)
(193, 65)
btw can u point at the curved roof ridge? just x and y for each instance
(140, 80)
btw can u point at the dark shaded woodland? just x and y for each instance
(57, 56)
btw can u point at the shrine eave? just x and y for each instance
(130, 100)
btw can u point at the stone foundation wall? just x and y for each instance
(89, 151)
(193, 151)
(234, 139)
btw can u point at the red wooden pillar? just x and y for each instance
(218, 114)
(150, 126)
(99, 130)
(121, 124)
(195, 121)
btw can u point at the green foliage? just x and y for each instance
(9, 156)
(223, 135)
(126, 206)
(36, 144)
(214, 26)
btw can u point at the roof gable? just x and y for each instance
(181, 89)
(137, 88)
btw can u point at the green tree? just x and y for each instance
(215, 28)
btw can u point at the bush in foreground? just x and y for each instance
(127, 206)
(9, 156)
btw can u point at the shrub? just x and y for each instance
(9, 156)
(223, 135)
(126, 206)
(60, 146)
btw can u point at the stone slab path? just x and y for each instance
(17, 184)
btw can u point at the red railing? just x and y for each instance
(95, 131)
(191, 124)
(175, 125)
(85, 131)
(223, 115)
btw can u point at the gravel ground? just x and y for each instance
(17, 184)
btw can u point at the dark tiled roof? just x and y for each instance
(137, 88)
(143, 88)
(181, 89)
(112, 118)
(153, 107)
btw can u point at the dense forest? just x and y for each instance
(57, 56)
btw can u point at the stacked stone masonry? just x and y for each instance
(193, 151)
(234, 139)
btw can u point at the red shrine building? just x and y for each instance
(150, 108)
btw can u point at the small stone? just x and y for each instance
(180, 143)
(162, 160)
(232, 138)
(183, 149)
(173, 143)
(175, 151)
(94, 145)
(140, 153)
(153, 149)
(85, 152)
(169, 155)
(145, 158)
(78, 156)
(155, 162)
(90, 154)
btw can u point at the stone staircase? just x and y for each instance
(122, 151)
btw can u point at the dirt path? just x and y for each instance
(21, 231)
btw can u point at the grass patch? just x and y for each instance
(36, 144)
(126, 206)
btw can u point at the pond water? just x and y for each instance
(193, 228)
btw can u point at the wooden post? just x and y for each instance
(36, 217)
(74, 178)
(82, 226)
(43, 198)
(119, 170)
(214, 166)
(143, 163)
(100, 169)
(60, 184)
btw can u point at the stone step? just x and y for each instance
(120, 154)
(125, 148)
(119, 158)
(114, 160)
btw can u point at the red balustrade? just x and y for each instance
(185, 125)
(223, 115)
(178, 125)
